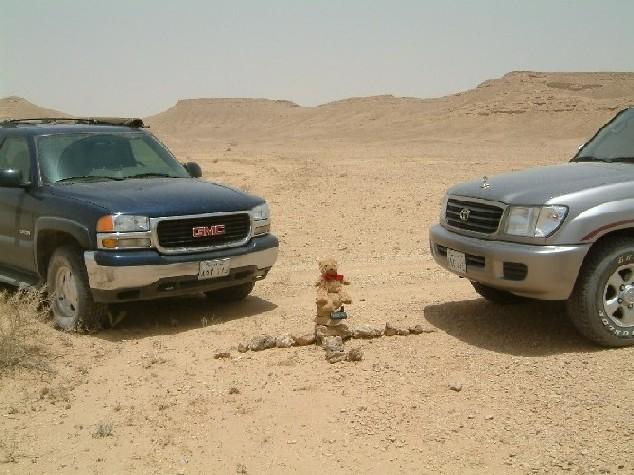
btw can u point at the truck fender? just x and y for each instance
(591, 224)
(77, 231)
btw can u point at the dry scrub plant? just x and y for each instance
(19, 312)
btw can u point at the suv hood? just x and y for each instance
(539, 185)
(156, 197)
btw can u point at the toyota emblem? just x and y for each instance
(464, 214)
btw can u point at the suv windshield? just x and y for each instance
(104, 156)
(614, 142)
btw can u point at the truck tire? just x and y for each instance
(496, 295)
(231, 294)
(601, 305)
(69, 293)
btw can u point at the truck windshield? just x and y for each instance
(614, 142)
(104, 156)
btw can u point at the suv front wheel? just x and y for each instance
(70, 298)
(602, 303)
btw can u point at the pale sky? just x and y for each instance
(137, 57)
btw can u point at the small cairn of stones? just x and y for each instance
(331, 329)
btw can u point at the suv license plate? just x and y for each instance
(457, 261)
(213, 269)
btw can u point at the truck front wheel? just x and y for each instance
(69, 292)
(602, 303)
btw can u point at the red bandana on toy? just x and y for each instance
(331, 277)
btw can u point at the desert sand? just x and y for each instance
(359, 179)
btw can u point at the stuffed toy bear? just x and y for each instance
(330, 292)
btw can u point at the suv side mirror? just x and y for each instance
(194, 169)
(10, 178)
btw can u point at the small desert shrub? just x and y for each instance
(19, 312)
(103, 429)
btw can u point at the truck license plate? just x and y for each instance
(213, 269)
(457, 261)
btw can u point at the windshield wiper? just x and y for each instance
(89, 178)
(622, 159)
(606, 160)
(151, 175)
(589, 159)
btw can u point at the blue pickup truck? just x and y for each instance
(99, 211)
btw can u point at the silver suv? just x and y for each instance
(563, 232)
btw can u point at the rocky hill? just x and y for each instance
(18, 108)
(521, 105)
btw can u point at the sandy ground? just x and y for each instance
(536, 397)
(149, 396)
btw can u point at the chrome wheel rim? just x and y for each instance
(66, 294)
(618, 296)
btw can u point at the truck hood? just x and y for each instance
(156, 197)
(541, 185)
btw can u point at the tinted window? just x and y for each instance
(98, 155)
(614, 141)
(14, 155)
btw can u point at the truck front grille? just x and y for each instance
(202, 232)
(473, 216)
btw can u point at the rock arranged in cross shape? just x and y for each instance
(332, 339)
(262, 342)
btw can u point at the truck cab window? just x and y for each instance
(14, 155)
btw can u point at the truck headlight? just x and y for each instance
(123, 223)
(443, 208)
(534, 221)
(120, 231)
(124, 242)
(261, 218)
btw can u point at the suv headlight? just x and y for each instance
(534, 221)
(261, 218)
(120, 231)
(443, 208)
(123, 223)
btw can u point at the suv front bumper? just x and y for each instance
(541, 272)
(116, 276)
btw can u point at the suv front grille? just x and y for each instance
(179, 233)
(473, 216)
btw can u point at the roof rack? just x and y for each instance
(124, 121)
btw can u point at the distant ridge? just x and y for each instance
(524, 105)
(235, 101)
(14, 107)
(521, 104)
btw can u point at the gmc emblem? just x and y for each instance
(206, 231)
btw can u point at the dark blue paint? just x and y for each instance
(74, 208)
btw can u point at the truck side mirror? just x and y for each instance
(194, 169)
(10, 178)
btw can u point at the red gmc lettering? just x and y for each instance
(206, 231)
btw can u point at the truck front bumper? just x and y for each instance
(116, 276)
(541, 272)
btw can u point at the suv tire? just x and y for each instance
(496, 295)
(602, 303)
(69, 293)
(231, 294)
